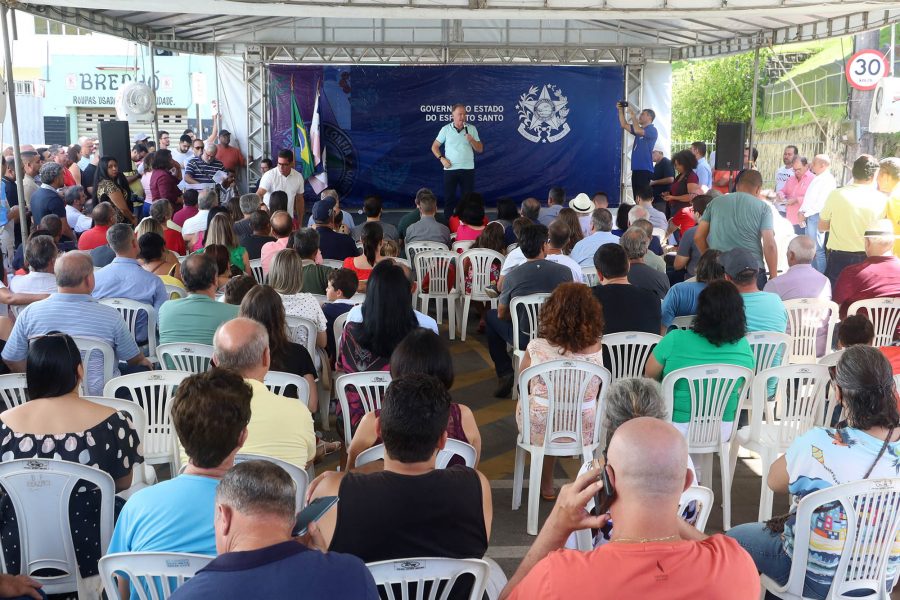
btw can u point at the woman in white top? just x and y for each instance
(286, 278)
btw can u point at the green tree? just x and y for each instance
(705, 92)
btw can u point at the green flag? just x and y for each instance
(302, 152)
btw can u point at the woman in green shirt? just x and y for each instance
(717, 337)
(221, 231)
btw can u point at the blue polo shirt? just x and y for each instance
(457, 148)
(642, 151)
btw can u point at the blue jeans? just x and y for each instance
(812, 230)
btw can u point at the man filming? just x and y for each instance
(645, 134)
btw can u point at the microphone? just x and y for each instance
(466, 127)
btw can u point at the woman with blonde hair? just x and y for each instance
(162, 262)
(570, 218)
(286, 278)
(221, 232)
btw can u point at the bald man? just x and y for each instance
(279, 427)
(282, 227)
(653, 553)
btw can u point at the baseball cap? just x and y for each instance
(321, 211)
(737, 261)
(582, 204)
(224, 132)
(659, 148)
(140, 137)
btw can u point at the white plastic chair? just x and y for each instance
(684, 322)
(13, 390)
(338, 330)
(175, 292)
(512, 247)
(436, 264)
(300, 476)
(153, 575)
(414, 247)
(567, 382)
(154, 392)
(478, 262)
(872, 507)
(257, 271)
(370, 385)
(302, 331)
(806, 316)
(185, 356)
(798, 406)
(460, 247)
(831, 360)
(39, 490)
(277, 381)
(143, 474)
(452, 448)
(710, 388)
(329, 262)
(884, 314)
(413, 574)
(528, 307)
(130, 310)
(628, 352)
(590, 276)
(88, 348)
(767, 346)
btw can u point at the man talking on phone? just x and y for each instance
(645, 134)
(460, 141)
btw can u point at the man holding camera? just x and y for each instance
(460, 141)
(645, 134)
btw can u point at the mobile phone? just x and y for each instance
(623, 103)
(314, 511)
(604, 498)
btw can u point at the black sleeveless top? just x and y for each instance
(383, 516)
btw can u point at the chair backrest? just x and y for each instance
(320, 298)
(89, 348)
(434, 264)
(628, 352)
(329, 262)
(590, 276)
(257, 270)
(302, 331)
(300, 477)
(370, 385)
(185, 356)
(567, 384)
(13, 390)
(831, 360)
(805, 317)
(702, 497)
(710, 387)
(277, 381)
(154, 392)
(884, 314)
(872, 509)
(415, 247)
(130, 311)
(684, 322)
(770, 349)
(174, 292)
(402, 261)
(153, 575)
(529, 308)
(477, 261)
(452, 448)
(512, 247)
(798, 405)
(462, 246)
(39, 490)
(138, 419)
(412, 575)
(338, 330)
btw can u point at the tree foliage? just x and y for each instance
(705, 92)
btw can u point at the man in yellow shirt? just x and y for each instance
(279, 427)
(889, 183)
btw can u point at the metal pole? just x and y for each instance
(753, 106)
(14, 120)
(153, 79)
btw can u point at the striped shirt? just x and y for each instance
(203, 171)
(76, 315)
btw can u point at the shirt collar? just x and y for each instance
(67, 297)
(48, 187)
(125, 260)
(240, 561)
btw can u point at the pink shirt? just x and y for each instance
(795, 189)
(465, 233)
(269, 250)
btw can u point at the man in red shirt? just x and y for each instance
(653, 552)
(95, 237)
(876, 277)
(230, 156)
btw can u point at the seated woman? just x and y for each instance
(472, 219)
(571, 326)
(681, 299)
(717, 337)
(286, 278)
(161, 212)
(152, 256)
(421, 351)
(387, 317)
(221, 232)
(863, 446)
(492, 237)
(57, 423)
(372, 238)
(263, 304)
(570, 218)
(224, 269)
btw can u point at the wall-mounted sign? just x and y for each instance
(865, 69)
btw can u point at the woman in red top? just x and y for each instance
(372, 237)
(686, 184)
(473, 222)
(162, 183)
(457, 218)
(161, 212)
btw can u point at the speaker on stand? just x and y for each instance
(115, 142)
(731, 139)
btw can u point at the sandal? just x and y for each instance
(324, 449)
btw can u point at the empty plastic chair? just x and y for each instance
(412, 575)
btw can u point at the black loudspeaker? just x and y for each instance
(731, 138)
(115, 142)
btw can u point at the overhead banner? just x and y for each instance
(541, 126)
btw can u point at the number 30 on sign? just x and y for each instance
(865, 69)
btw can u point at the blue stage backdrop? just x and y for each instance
(540, 125)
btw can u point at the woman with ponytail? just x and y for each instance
(372, 238)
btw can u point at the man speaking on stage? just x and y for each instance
(641, 127)
(460, 141)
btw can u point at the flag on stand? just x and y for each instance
(302, 153)
(319, 180)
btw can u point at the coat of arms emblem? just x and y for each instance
(543, 116)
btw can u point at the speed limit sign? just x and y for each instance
(865, 69)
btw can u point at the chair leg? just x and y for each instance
(766, 496)
(439, 309)
(451, 315)
(518, 476)
(324, 407)
(464, 318)
(534, 491)
(725, 468)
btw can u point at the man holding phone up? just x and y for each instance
(460, 141)
(645, 134)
